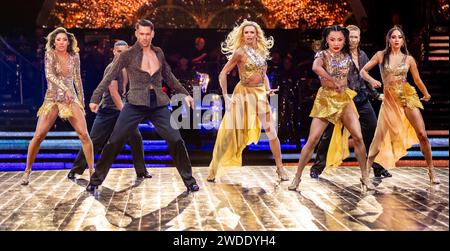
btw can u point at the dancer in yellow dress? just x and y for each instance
(248, 107)
(62, 70)
(334, 103)
(400, 124)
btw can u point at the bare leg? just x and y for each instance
(316, 130)
(78, 123)
(43, 126)
(351, 122)
(416, 120)
(274, 143)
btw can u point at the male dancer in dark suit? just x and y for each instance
(146, 67)
(106, 118)
(367, 116)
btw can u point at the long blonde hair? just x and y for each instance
(235, 40)
(72, 47)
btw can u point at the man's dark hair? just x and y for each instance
(144, 22)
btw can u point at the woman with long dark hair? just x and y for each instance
(334, 104)
(64, 96)
(400, 124)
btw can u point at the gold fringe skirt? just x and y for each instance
(240, 127)
(64, 109)
(394, 134)
(330, 104)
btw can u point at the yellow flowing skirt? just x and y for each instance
(64, 109)
(330, 104)
(394, 133)
(240, 127)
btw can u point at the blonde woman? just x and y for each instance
(400, 124)
(64, 97)
(248, 108)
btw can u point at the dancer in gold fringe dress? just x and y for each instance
(334, 103)
(62, 70)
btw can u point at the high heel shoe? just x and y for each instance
(433, 178)
(25, 178)
(366, 185)
(295, 183)
(282, 174)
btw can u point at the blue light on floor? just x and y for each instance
(264, 146)
(62, 165)
(22, 156)
(72, 144)
(31, 134)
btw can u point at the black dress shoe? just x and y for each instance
(91, 188)
(314, 174)
(385, 173)
(382, 172)
(145, 176)
(71, 175)
(193, 188)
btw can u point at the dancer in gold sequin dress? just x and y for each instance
(64, 96)
(248, 107)
(334, 104)
(400, 123)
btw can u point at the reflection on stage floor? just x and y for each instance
(249, 198)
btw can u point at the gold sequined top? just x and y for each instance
(394, 75)
(61, 79)
(254, 63)
(335, 64)
(395, 82)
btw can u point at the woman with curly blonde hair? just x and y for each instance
(248, 107)
(64, 96)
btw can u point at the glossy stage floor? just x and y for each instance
(249, 198)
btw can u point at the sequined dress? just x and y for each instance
(60, 80)
(240, 125)
(330, 104)
(394, 133)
